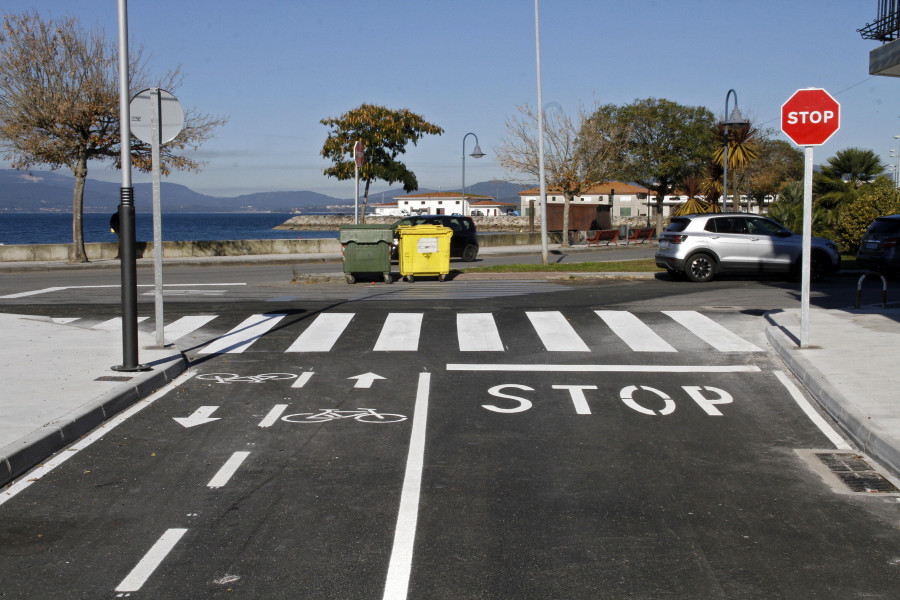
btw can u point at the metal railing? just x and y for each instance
(886, 27)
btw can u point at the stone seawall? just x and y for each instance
(334, 222)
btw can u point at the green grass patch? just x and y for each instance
(621, 266)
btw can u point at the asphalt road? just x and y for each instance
(456, 440)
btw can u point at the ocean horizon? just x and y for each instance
(56, 228)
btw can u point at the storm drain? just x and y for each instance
(856, 473)
(114, 378)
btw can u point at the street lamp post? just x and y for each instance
(476, 153)
(735, 119)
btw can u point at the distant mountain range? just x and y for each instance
(51, 191)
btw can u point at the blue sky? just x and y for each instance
(275, 68)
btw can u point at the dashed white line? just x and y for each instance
(228, 470)
(154, 557)
(273, 416)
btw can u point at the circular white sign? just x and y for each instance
(171, 115)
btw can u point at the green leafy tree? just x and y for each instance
(779, 162)
(876, 200)
(841, 178)
(666, 142)
(578, 152)
(788, 210)
(385, 134)
(59, 105)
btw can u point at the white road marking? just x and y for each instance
(114, 324)
(711, 332)
(322, 333)
(546, 368)
(814, 416)
(64, 455)
(185, 325)
(91, 287)
(241, 337)
(228, 470)
(400, 566)
(154, 557)
(634, 332)
(34, 292)
(302, 379)
(556, 333)
(273, 416)
(400, 333)
(477, 332)
(65, 320)
(198, 417)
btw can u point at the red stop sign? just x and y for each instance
(810, 117)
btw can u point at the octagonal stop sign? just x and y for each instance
(810, 117)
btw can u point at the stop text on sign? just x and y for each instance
(643, 399)
(805, 116)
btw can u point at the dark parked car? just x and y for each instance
(878, 250)
(463, 244)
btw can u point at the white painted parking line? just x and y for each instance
(634, 332)
(185, 325)
(814, 416)
(477, 332)
(400, 333)
(556, 333)
(545, 368)
(322, 333)
(154, 557)
(228, 470)
(241, 337)
(400, 566)
(711, 332)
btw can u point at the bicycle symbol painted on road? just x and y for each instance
(235, 378)
(363, 415)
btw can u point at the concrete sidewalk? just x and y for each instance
(59, 383)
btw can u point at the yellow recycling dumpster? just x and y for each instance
(424, 250)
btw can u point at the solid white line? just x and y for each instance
(814, 416)
(34, 292)
(303, 379)
(64, 455)
(322, 333)
(477, 332)
(400, 333)
(91, 287)
(273, 416)
(154, 557)
(185, 325)
(634, 332)
(241, 337)
(400, 566)
(556, 333)
(228, 470)
(711, 332)
(604, 368)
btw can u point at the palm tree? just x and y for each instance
(838, 183)
(743, 148)
(788, 210)
(691, 186)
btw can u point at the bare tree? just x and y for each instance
(578, 152)
(59, 104)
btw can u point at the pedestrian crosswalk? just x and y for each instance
(531, 331)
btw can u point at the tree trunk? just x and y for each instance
(362, 216)
(659, 215)
(565, 222)
(78, 254)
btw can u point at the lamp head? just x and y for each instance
(736, 119)
(477, 153)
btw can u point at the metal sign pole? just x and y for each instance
(807, 245)
(155, 141)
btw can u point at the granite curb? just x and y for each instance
(28, 451)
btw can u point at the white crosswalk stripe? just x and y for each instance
(711, 332)
(634, 332)
(322, 333)
(475, 332)
(241, 337)
(556, 333)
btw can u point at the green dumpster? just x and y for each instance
(367, 250)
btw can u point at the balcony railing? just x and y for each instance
(887, 26)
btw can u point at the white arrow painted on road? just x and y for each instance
(199, 417)
(365, 380)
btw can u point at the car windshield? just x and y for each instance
(885, 226)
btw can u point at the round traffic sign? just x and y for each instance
(171, 115)
(810, 117)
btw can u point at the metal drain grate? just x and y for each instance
(856, 473)
(114, 378)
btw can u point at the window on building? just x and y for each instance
(625, 211)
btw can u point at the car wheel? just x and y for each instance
(817, 265)
(700, 268)
(469, 253)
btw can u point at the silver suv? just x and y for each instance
(702, 245)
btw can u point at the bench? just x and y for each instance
(604, 235)
(640, 235)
